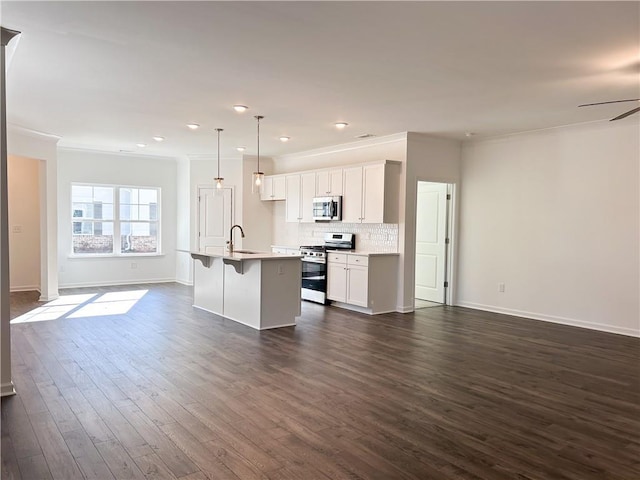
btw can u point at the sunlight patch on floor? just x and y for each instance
(83, 305)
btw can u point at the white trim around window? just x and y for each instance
(115, 221)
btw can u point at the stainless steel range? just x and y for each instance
(314, 264)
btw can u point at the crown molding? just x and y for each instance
(344, 147)
(103, 151)
(19, 129)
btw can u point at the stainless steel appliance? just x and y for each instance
(314, 264)
(327, 208)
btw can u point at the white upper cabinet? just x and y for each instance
(307, 192)
(371, 193)
(329, 183)
(299, 192)
(292, 197)
(273, 188)
(352, 195)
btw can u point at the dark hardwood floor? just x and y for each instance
(164, 391)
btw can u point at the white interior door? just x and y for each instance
(215, 212)
(431, 226)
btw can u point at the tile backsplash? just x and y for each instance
(369, 237)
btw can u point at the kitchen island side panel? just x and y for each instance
(208, 286)
(281, 292)
(242, 293)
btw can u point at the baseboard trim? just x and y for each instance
(49, 298)
(186, 283)
(405, 309)
(7, 389)
(602, 327)
(118, 282)
(359, 309)
(25, 288)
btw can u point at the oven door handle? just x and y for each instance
(309, 260)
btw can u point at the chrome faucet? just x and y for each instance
(230, 242)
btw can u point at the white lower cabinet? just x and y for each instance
(362, 282)
(358, 286)
(337, 281)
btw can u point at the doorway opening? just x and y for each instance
(433, 244)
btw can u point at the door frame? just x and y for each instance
(451, 247)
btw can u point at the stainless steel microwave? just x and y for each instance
(327, 208)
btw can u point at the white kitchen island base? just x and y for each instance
(261, 291)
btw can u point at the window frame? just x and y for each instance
(117, 222)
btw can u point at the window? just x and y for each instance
(102, 213)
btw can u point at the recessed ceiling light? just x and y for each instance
(240, 108)
(341, 125)
(141, 145)
(469, 134)
(193, 126)
(241, 149)
(285, 139)
(158, 138)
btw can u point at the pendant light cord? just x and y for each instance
(218, 130)
(258, 117)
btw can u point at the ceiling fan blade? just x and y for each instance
(613, 101)
(626, 114)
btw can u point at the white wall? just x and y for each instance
(184, 263)
(105, 168)
(31, 144)
(24, 223)
(554, 215)
(256, 217)
(429, 159)
(203, 169)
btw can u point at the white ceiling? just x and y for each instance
(108, 75)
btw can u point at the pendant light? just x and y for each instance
(218, 179)
(258, 176)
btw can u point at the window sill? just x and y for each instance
(111, 255)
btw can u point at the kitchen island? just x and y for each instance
(258, 289)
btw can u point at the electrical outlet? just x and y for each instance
(16, 229)
(134, 265)
(501, 287)
(280, 269)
